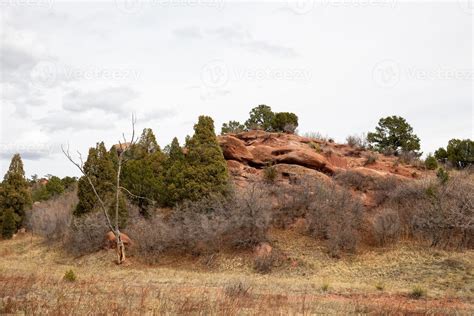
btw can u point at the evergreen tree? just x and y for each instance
(14, 192)
(99, 167)
(285, 122)
(232, 127)
(174, 179)
(394, 133)
(8, 224)
(142, 175)
(261, 117)
(206, 169)
(54, 186)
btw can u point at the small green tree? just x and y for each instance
(394, 133)
(14, 192)
(285, 122)
(460, 152)
(430, 162)
(8, 224)
(442, 175)
(143, 175)
(100, 168)
(441, 154)
(233, 127)
(69, 182)
(175, 175)
(206, 169)
(261, 117)
(54, 186)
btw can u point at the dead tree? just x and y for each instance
(121, 151)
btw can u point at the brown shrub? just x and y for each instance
(386, 227)
(51, 219)
(207, 226)
(86, 234)
(438, 213)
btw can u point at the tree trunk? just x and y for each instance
(120, 250)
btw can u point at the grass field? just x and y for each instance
(306, 281)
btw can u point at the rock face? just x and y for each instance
(295, 157)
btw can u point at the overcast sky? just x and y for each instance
(74, 72)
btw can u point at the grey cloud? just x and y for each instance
(238, 36)
(110, 100)
(157, 114)
(27, 151)
(265, 47)
(58, 121)
(188, 33)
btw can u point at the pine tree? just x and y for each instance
(174, 177)
(8, 224)
(99, 167)
(14, 192)
(205, 172)
(142, 174)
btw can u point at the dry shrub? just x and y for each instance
(370, 159)
(51, 219)
(264, 264)
(386, 227)
(331, 212)
(237, 289)
(357, 141)
(438, 213)
(335, 215)
(207, 226)
(86, 234)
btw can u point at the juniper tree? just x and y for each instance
(99, 167)
(206, 169)
(174, 175)
(261, 117)
(143, 174)
(394, 133)
(14, 192)
(8, 224)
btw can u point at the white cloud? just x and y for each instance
(110, 100)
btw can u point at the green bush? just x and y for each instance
(70, 276)
(285, 122)
(442, 175)
(8, 224)
(270, 174)
(417, 292)
(431, 163)
(232, 127)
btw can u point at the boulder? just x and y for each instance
(110, 241)
(234, 149)
(263, 250)
(306, 158)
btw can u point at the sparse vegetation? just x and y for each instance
(70, 276)
(417, 292)
(431, 163)
(370, 159)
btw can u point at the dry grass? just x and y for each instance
(31, 281)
